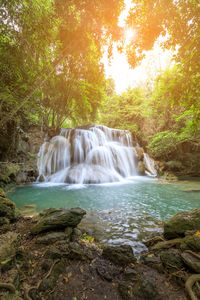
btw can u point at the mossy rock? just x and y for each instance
(53, 219)
(8, 246)
(191, 242)
(181, 222)
(121, 255)
(2, 193)
(7, 209)
(9, 172)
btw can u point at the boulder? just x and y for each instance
(146, 288)
(140, 153)
(141, 168)
(181, 222)
(51, 238)
(8, 245)
(79, 252)
(191, 242)
(121, 255)
(53, 219)
(7, 209)
(171, 259)
(192, 261)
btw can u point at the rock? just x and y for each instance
(121, 255)
(46, 264)
(130, 274)
(181, 222)
(105, 270)
(8, 245)
(191, 242)
(191, 261)
(140, 153)
(125, 290)
(68, 231)
(153, 261)
(7, 209)
(79, 252)
(4, 221)
(52, 253)
(2, 193)
(21, 177)
(171, 259)
(41, 178)
(146, 288)
(11, 297)
(76, 234)
(141, 168)
(52, 219)
(51, 238)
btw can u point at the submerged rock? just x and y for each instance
(52, 219)
(181, 222)
(121, 255)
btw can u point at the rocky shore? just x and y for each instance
(48, 257)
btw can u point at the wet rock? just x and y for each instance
(125, 290)
(181, 222)
(7, 209)
(51, 238)
(121, 255)
(76, 234)
(53, 253)
(171, 259)
(8, 245)
(146, 288)
(41, 178)
(192, 261)
(140, 153)
(191, 242)
(52, 219)
(141, 168)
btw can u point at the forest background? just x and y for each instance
(52, 73)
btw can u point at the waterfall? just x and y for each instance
(92, 154)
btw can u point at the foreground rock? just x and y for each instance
(181, 222)
(120, 255)
(7, 209)
(53, 219)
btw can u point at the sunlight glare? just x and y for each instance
(130, 35)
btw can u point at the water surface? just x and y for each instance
(119, 212)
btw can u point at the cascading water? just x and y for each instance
(97, 154)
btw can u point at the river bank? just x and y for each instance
(48, 257)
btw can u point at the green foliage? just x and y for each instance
(124, 111)
(164, 143)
